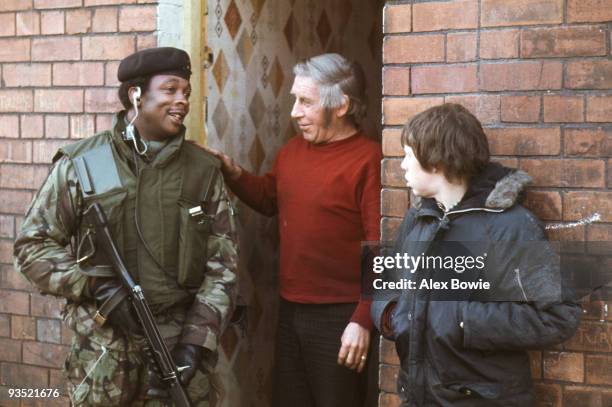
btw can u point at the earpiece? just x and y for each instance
(136, 95)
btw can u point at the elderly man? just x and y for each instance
(325, 188)
(146, 178)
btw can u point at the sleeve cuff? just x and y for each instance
(362, 315)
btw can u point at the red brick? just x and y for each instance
(7, 24)
(546, 205)
(58, 101)
(56, 49)
(9, 126)
(484, 107)
(563, 42)
(144, 41)
(599, 369)
(456, 14)
(56, 126)
(579, 11)
(44, 150)
(6, 255)
(15, 101)
(10, 351)
(18, 75)
(506, 162)
(461, 47)
(392, 174)
(389, 228)
(413, 49)
(400, 110)
(78, 21)
(7, 227)
(14, 50)
(5, 325)
(14, 302)
(22, 176)
(32, 126)
(103, 100)
(591, 74)
(43, 354)
(23, 376)
(108, 47)
(105, 20)
(15, 151)
(535, 363)
(578, 396)
(110, 74)
(563, 108)
(499, 44)
(82, 126)
(564, 366)
(397, 18)
(573, 234)
(600, 233)
(391, 143)
(48, 330)
(496, 13)
(388, 377)
(78, 74)
(9, 278)
(519, 108)
(523, 75)
(52, 22)
(599, 108)
(547, 395)
(47, 306)
(444, 79)
(104, 122)
(388, 354)
(57, 3)
(566, 172)
(138, 18)
(28, 23)
(13, 5)
(107, 2)
(23, 327)
(389, 400)
(580, 205)
(57, 381)
(588, 142)
(610, 172)
(524, 141)
(396, 81)
(67, 335)
(394, 202)
(14, 202)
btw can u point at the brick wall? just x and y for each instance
(58, 61)
(538, 74)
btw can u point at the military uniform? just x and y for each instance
(186, 265)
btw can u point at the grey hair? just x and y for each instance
(336, 77)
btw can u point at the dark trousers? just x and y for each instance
(306, 370)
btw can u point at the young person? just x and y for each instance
(468, 347)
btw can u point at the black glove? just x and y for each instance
(185, 354)
(122, 316)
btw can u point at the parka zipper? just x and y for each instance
(518, 279)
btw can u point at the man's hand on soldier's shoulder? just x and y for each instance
(229, 168)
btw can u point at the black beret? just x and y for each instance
(155, 61)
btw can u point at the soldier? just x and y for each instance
(149, 182)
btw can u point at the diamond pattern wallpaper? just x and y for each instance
(255, 44)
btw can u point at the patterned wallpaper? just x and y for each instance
(255, 44)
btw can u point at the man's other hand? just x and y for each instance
(229, 168)
(355, 344)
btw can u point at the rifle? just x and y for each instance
(157, 349)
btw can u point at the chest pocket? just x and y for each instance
(197, 212)
(100, 183)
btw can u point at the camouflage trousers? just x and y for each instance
(107, 368)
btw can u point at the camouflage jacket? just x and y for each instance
(45, 256)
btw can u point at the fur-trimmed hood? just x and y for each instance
(496, 187)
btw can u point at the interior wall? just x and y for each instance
(255, 44)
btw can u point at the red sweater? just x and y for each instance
(328, 201)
